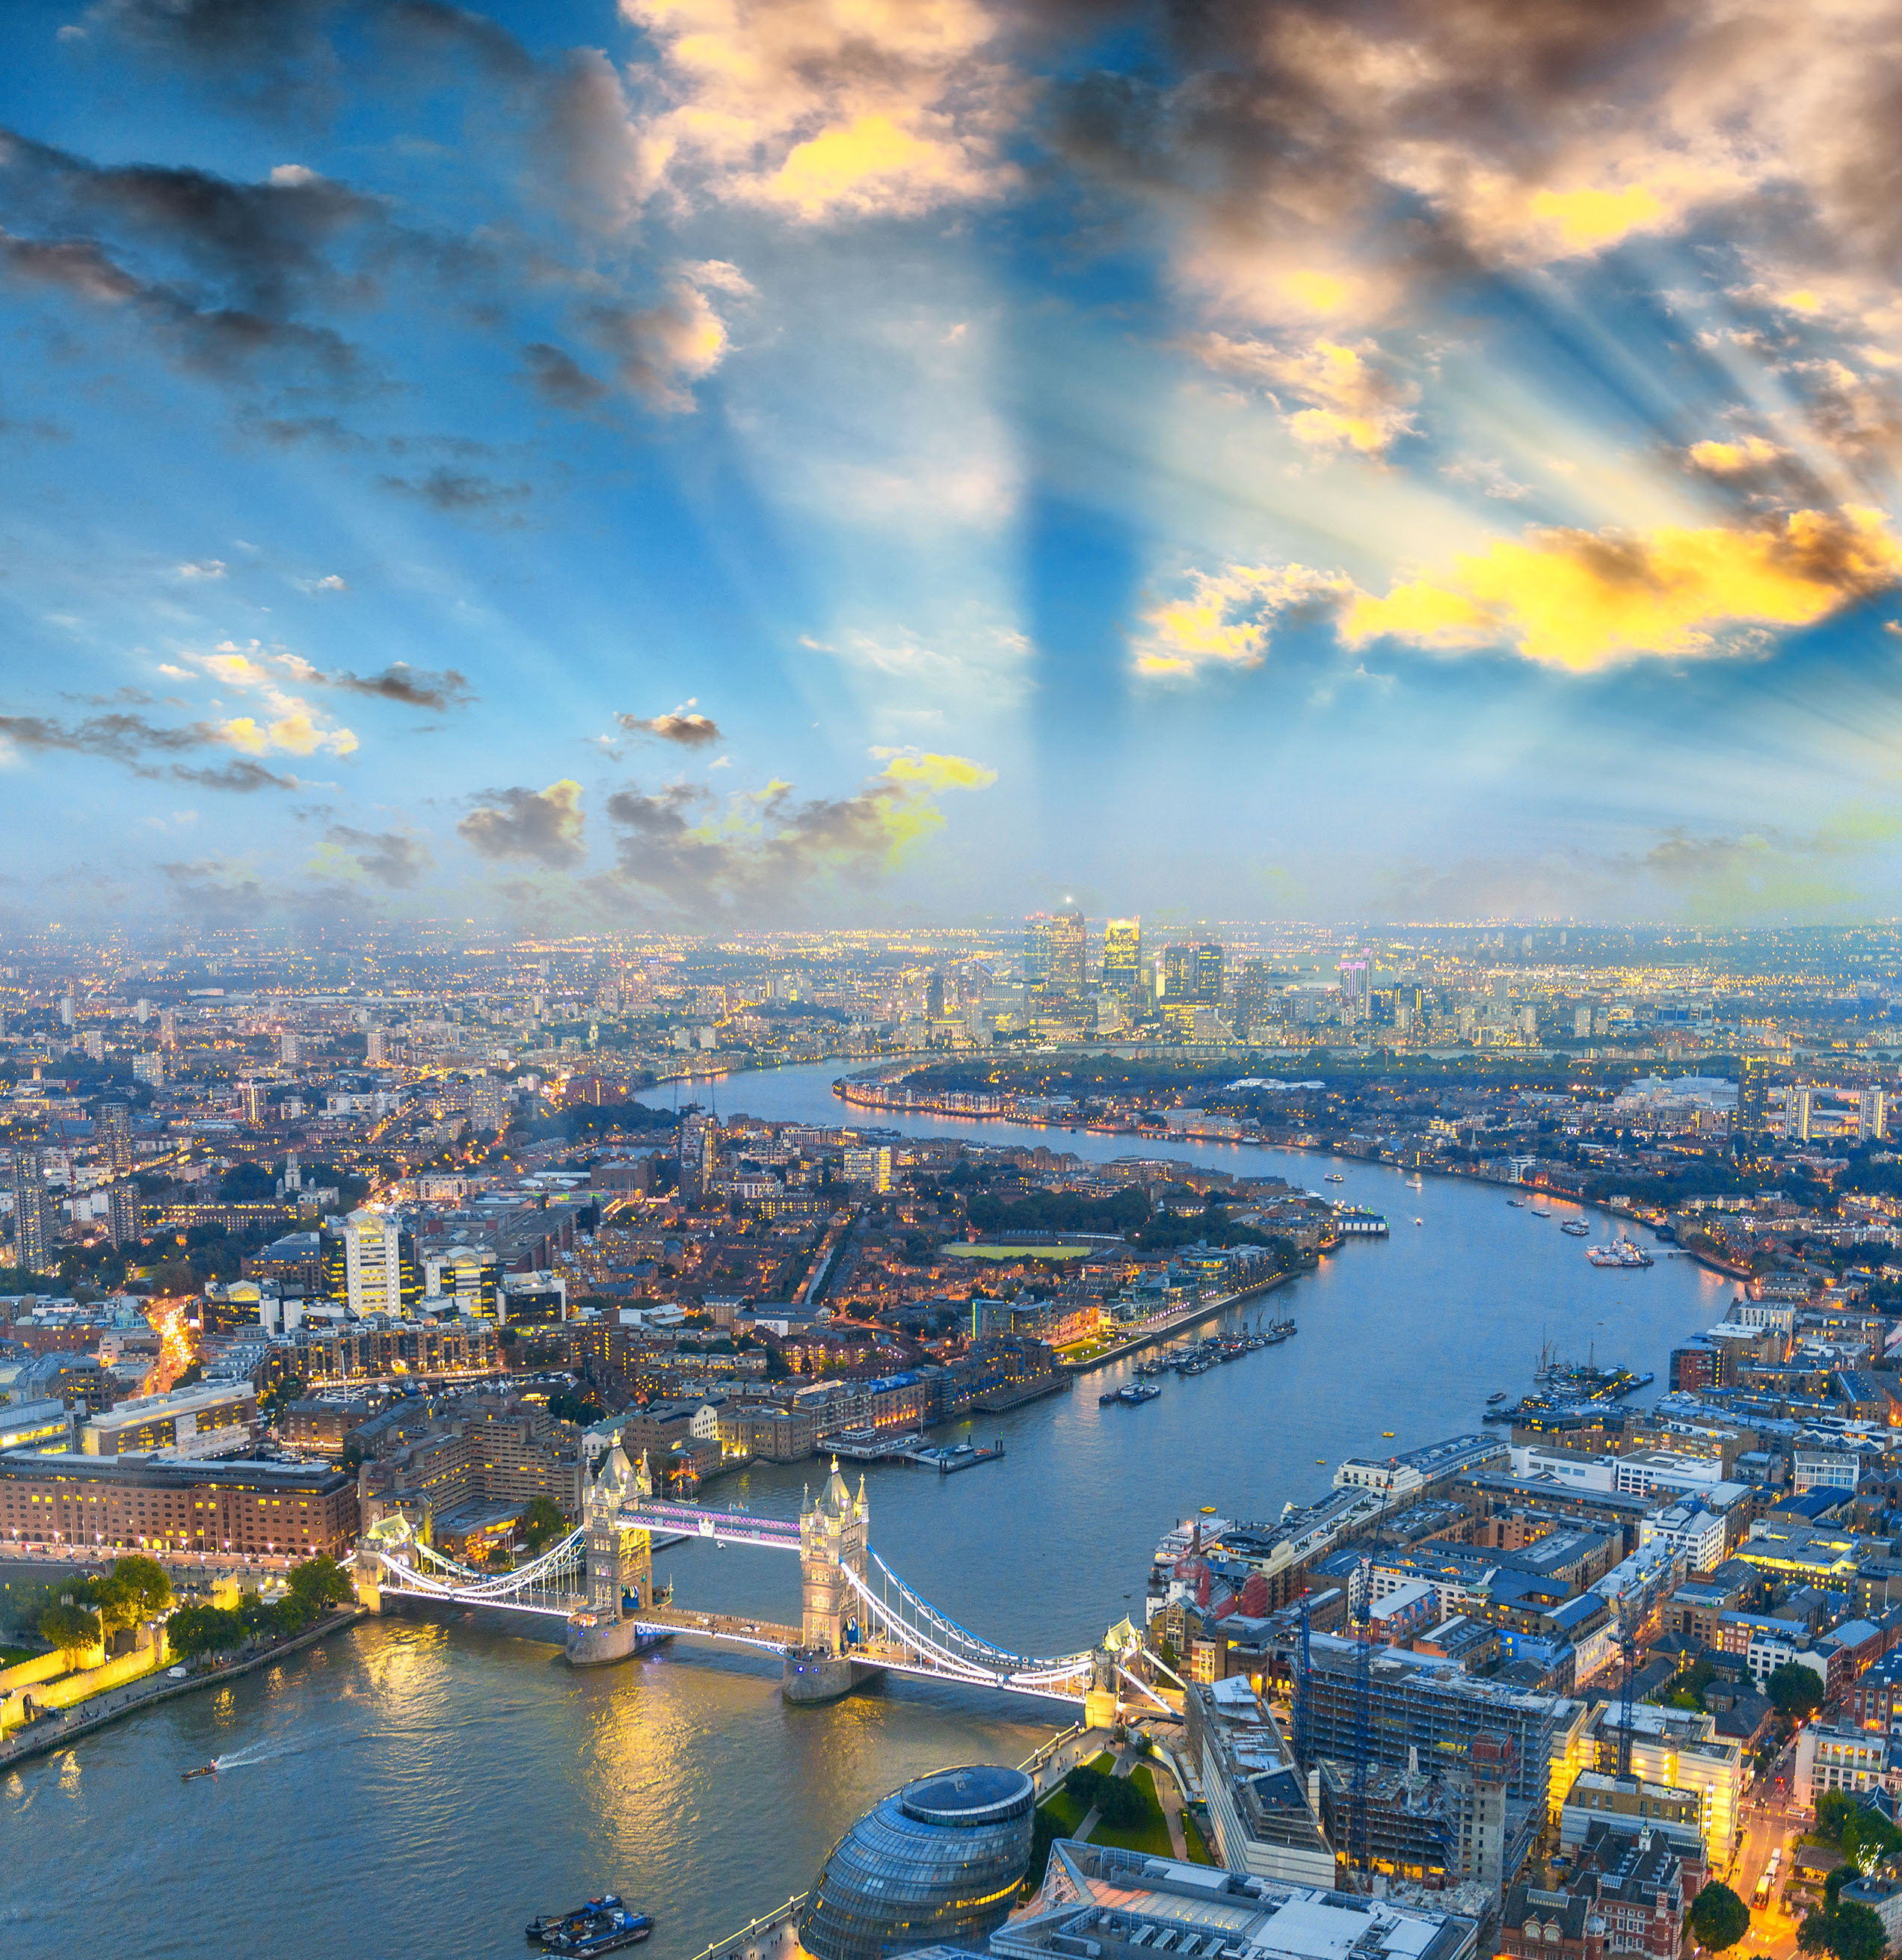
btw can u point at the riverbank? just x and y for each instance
(1194, 1316)
(42, 1737)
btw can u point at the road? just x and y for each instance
(1768, 1821)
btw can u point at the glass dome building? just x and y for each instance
(938, 1860)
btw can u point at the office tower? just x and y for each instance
(1036, 949)
(1179, 972)
(1257, 998)
(1123, 957)
(251, 1101)
(1871, 1114)
(1064, 974)
(375, 1281)
(35, 1218)
(1798, 1127)
(112, 1125)
(121, 1212)
(934, 996)
(1209, 961)
(1753, 1097)
(287, 1047)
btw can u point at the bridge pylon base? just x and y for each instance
(599, 1643)
(812, 1678)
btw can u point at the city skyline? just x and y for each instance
(696, 467)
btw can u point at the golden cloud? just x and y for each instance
(1352, 401)
(1746, 457)
(1585, 600)
(829, 108)
(1225, 618)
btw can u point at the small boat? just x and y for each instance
(1334, 1177)
(1414, 1184)
(1493, 1401)
(1515, 1205)
(603, 1933)
(1575, 1228)
(576, 1916)
(1138, 1393)
(1388, 1433)
(1114, 1396)
(205, 1769)
(1537, 1213)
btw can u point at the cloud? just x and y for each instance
(210, 568)
(397, 858)
(1584, 600)
(658, 350)
(289, 723)
(1225, 619)
(414, 687)
(559, 378)
(543, 826)
(1746, 456)
(1352, 401)
(241, 776)
(462, 493)
(764, 853)
(822, 109)
(690, 730)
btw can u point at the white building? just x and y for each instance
(372, 1262)
(1826, 1469)
(1849, 1759)
(1688, 1527)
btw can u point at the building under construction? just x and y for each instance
(1425, 1713)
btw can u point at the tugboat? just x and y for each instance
(576, 1918)
(1138, 1393)
(603, 1932)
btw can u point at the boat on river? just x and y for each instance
(575, 1918)
(603, 1933)
(1621, 1253)
(205, 1769)
(1138, 1393)
(1575, 1228)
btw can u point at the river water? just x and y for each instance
(415, 1789)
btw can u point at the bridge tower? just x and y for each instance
(834, 1535)
(620, 1563)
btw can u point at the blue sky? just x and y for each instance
(694, 463)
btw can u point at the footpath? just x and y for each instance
(53, 1732)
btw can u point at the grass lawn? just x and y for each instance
(1063, 1809)
(1149, 1836)
(1199, 1851)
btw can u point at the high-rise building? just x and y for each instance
(35, 1217)
(121, 1212)
(1067, 941)
(1036, 949)
(1356, 971)
(1256, 997)
(1179, 972)
(288, 1048)
(149, 1067)
(167, 1028)
(375, 1278)
(1753, 1096)
(112, 1126)
(1123, 957)
(65, 1010)
(252, 1101)
(94, 1042)
(1871, 1115)
(1799, 1113)
(1210, 961)
(934, 995)
(377, 1047)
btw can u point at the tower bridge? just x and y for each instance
(858, 1617)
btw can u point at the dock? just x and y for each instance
(948, 1462)
(872, 1445)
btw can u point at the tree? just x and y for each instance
(1813, 1935)
(541, 1521)
(72, 1629)
(193, 1630)
(145, 1579)
(1834, 1808)
(1856, 1933)
(1718, 1918)
(321, 1582)
(1795, 1690)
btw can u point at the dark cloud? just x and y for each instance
(689, 729)
(671, 848)
(544, 826)
(558, 378)
(126, 738)
(269, 55)
(217, 888)
(414, 687)
(462, 493)
(240, 774)
(393, 858)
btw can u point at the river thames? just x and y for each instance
(417, 1790)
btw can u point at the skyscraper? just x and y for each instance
(251, 1101)
(1067, 941)
(1356, 971)
(1753, 1097)
(1036, 949)
(1798, 1128)
(1871, 1115)
(112, 1121)
(1209, 961)
(288, 1048)
(1123, 957)
(35, 1221)
(121, 1212)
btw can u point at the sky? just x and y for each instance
(703, 465)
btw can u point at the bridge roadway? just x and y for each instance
(723, 1527)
